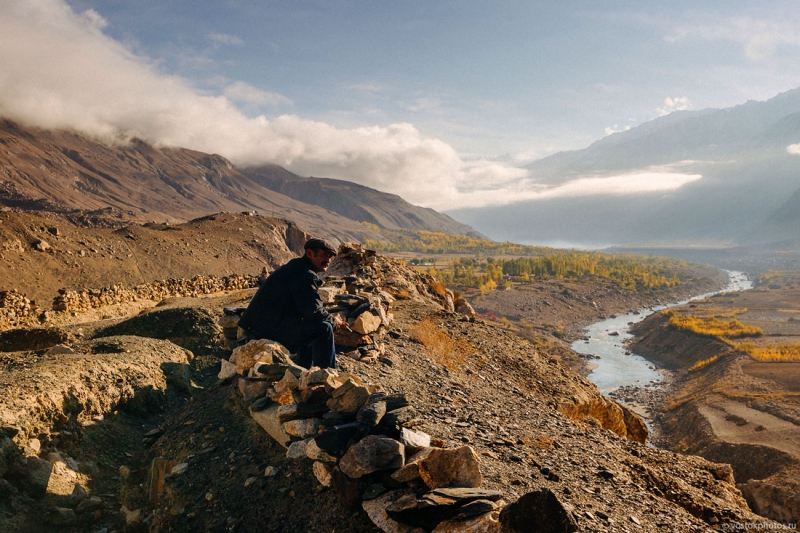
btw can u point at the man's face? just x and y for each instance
(320, 259)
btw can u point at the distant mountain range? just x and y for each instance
(749, 191)
(62, 171)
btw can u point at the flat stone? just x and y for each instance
(314, 453)
(252, 388)
(227, 369)
(297, 449)
(323, 472)
(370, 454)
(268, 419)
(376, 510)
(316, 376)
(288, 382)
(351, 401)
(302, 410)
(538, 512)
(414, 440)
(484, 523)
(336, 440)
(302, 427)
(275, 371)
(315, 394)
(371, 414)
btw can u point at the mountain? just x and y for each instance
(742, 154)
(63, 170)
(357, 202)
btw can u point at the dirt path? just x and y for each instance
(736, 423)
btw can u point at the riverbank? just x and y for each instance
(725, 405)
(554, 313)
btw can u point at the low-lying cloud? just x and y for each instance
(60, 70)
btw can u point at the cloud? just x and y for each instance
(793, 149)
(225, 39)
(616, 129)
(758, 37)
(61, 71)
(250, 95)
(645, 182)
(673, 104)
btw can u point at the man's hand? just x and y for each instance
(339, 322)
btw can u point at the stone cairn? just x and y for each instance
(359, 439)
(360, 442)
(16, 309)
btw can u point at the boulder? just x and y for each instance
(370, 454)
(317, 376)
(258, 350)
(538, 512)
(38, 476)
(350, 401)
(252, 388)
(371, 414)
(366, 323)
(452, 467)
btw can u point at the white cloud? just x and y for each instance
(616, 129)
(61, 70)
(225, 39)
(248, 94)
(673, 104)
(793, 149)
(758, 37)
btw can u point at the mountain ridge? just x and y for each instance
(63, 170)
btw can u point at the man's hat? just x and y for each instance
(319, 244)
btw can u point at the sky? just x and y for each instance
(441, 102)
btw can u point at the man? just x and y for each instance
(287, 308)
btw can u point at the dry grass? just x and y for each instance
(719, 312)
(437, 287)
(714, 327)
(440, 346)
(780, 352)
(700, 364)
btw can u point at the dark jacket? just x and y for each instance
(287, 298)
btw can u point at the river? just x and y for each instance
(616, 367)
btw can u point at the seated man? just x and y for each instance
(287, 308)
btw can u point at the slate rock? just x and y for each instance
(302, 427)
(370, 454)
(538, 512)
(338, 439)
(252, 388)
(376, 510)
(371, 414)
(301, 410)
(484, 523)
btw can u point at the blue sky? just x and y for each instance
(438, 101)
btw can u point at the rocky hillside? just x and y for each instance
(64, 171)
(124, 437)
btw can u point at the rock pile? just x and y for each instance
(15, 309)
(360, 442)
(86, 299)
